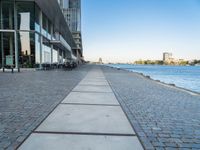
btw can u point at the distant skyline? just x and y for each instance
(128, 30)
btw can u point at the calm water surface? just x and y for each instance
(182, 76)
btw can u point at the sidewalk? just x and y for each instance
(89, 118)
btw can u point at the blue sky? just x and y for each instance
(128, 30)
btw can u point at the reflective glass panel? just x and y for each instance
(37, 18)
(26, 47)
(37, 49)
(44, 25)
(46, 51)
(1, 49)
(7, 49)
(25, 15)
(55, 55)
(7, 9)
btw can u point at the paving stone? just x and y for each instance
(151, 106)
(91, 98)
(93, 80)
(167, 144)
(92, 88)
(170, 148)
(159, 148)
(158, 144)
(93, 119)
(146, 103)
(93, 83)
(26, 98)
(80, 142)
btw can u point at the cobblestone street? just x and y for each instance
(26, 98)
(163, 117)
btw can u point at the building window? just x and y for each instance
(7, 9)
(26, 48)
(7, 47)
(49, 30)
(44, 25)
(37, 18)
(55, 55)
(46, 51)
(25, 15)
(1, 50)
(37, 49)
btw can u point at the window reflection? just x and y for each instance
(37, 49)
(46, 51)
(25, 14)
(60, 57)
(7, 20)
(26, 46)
(25, 21)
(37, 20)
(7, 46)
(30, 49)
(25, 43)
(44, 25)
(55, 55)
(1, 63)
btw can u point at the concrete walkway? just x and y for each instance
(89, 118)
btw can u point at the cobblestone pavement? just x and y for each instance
(27, 98)
(163, 117)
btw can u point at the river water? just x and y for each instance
(182, 76)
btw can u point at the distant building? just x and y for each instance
(72, 13)
(167, 57)
(100, 61)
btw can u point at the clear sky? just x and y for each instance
(128, 30)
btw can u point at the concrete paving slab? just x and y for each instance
(87, 119)
(95, 77)
(80, 142)
(91, 98)
(94, 80)
(93, 83)
(93, 88)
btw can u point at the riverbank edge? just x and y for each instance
(194, 93)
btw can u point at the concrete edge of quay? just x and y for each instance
(160, 82)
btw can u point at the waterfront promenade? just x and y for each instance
(163, 117)
(90, 117)
(26, 98)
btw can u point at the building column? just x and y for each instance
(58, 53)
(77, 56)
(2, 51)
(51, 44)
(41, 40)
(62, 56)
(16, 39)
(16, 51)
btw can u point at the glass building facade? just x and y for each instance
(30, 37)
(72, 12)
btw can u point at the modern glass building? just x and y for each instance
(32, 33)
(72, 12)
